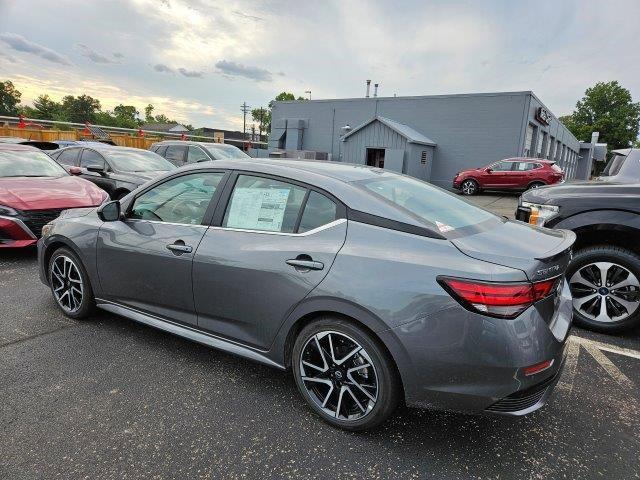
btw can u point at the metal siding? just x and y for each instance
(470, 130)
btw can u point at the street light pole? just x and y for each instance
(245, 109)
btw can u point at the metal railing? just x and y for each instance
(134, 131)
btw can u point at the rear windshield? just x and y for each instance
(442, 211)
(227, 151)
(614, 166)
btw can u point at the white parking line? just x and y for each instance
(595, 349)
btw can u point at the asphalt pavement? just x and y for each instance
(109, 398)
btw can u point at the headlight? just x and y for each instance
(46, 229)
(541, 214)
(7, 211)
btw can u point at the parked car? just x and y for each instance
(622, 167)
(509, 174)
(371, 286)
(604, 275)
(34, 189)
(180, 152)
(86, 143)
(41, 145)
(117, 170)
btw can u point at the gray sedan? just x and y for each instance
(373, 288)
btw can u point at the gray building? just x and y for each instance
(429, 137)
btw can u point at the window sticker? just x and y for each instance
(258, 208)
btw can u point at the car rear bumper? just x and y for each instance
(464, 361)
(15, 234)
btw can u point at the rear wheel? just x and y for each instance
(605, 285)
(533, 185)
(70, 285)
(345, 375)
(469, 187)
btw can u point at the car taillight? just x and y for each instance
(504, 300)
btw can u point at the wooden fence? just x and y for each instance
(47, 135)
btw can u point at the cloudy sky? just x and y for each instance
(198, 60)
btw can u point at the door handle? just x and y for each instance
(305, 264)
(179, 247)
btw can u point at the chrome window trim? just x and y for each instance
(303, 234)
(142, 220)
(21, 224)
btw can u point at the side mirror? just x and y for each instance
(96, 169)
(109, 212)
(75, 171)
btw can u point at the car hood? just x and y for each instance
(539, 252)
(44, 193)
(579, 190)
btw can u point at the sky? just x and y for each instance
(199, 60)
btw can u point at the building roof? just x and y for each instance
(165, 127)
(406, 131)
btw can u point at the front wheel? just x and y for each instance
(70, 284)
(469, 187)
(345, 375)
(605, 285)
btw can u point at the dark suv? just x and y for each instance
(117, 170)
(604, 274)
(181, 152)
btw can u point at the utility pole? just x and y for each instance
(245, 109)
(309, 92)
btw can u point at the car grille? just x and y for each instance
(524, 398)
(36, 219)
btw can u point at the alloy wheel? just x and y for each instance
(468, 187)
(66, 282)
(339, 375)
(605, 292)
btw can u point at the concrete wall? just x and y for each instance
(469, 130)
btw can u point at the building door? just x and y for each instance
(375, 157)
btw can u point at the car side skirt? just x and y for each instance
(187, 332)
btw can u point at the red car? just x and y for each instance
(509, 174)
(34, 189)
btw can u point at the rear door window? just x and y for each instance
(318, 211)
(264, 204)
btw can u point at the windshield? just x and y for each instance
(614, 166)
(439, 208)
(26, 163)
(136, 161)
(227, 151)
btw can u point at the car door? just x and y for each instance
(275, 241)
(90, 157)
(497, 177)
(145, 260)
(520, 174)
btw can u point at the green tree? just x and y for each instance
(80, 109)
(9, 98)
(126, 116)
(148, 113)
(609, 109)
(263, 116)
(46, 108)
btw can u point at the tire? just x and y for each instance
(469, 187)
(621, 267)
(359, 408)
(533, 185)
(67, 274)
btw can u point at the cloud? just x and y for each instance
(21, 44)
(94, 56)
(190, 73)
(162, 68)
(118, 55)
(233, 69)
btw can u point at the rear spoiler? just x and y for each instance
(562, 247)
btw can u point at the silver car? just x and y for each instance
(373, 288)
